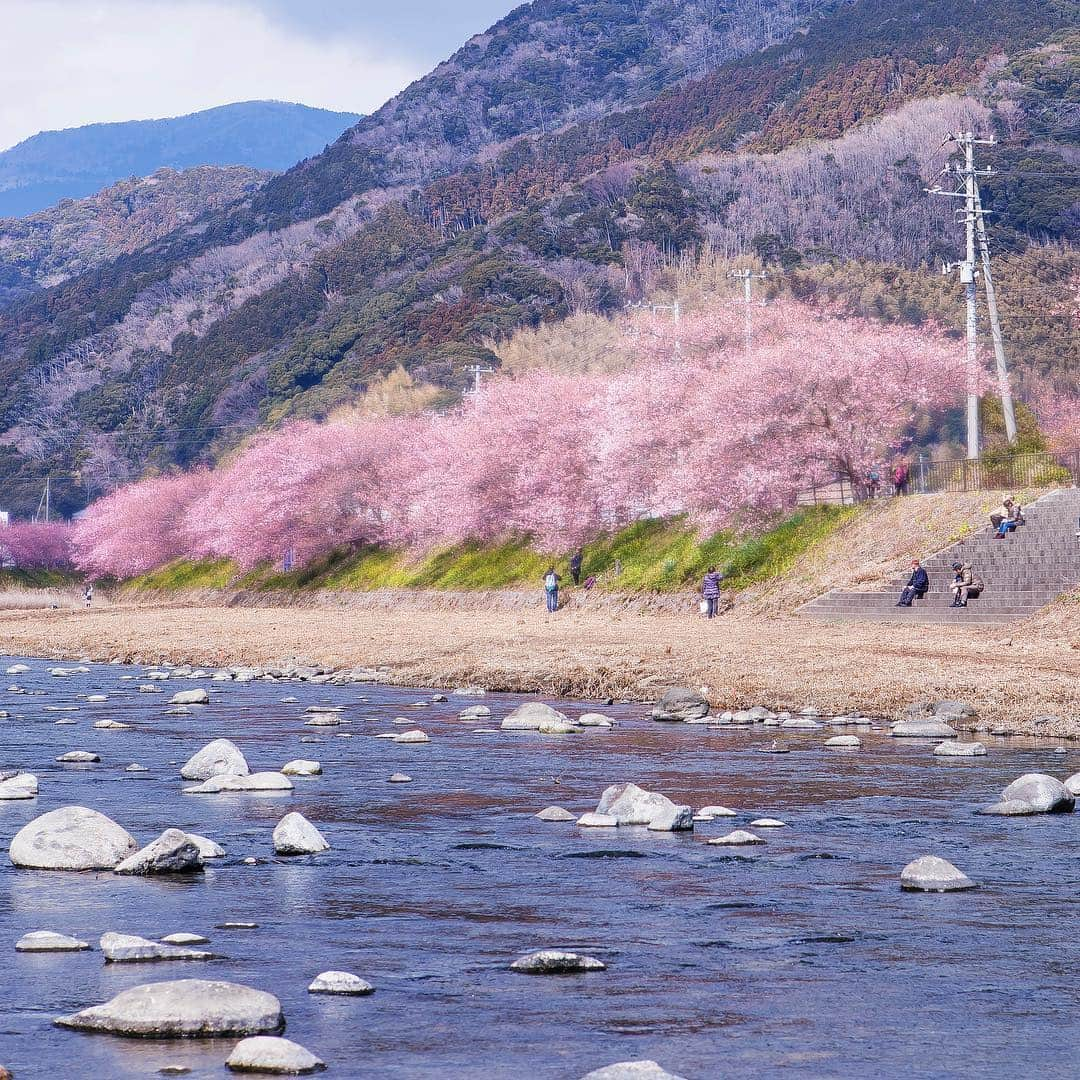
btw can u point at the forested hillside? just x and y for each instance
(557, 165)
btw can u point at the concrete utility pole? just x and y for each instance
(974, 225)
(477, 371)
(747, 277)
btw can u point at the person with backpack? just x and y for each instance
(710, 591)
(551, 589)
(900, 477)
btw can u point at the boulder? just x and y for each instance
(340, 982)
(48, 941)
(110, 725)
(806, 723)
(173, 852)
(399, 778)
(1072, 784)
(323, 719)
(632, 1070)
(190, 697)
(295, 835)
(18, 669)
(1009, 808)
(632, 805)
(258, 782)
(922, 729)
(218, 758)
(597, 821)
(184, 939)
(1042, 793)
(474, 712)
(130, 949)
(954, 711)
(78, 757)
(768, 823)
(680, 703)
(555, 962)
(716, 811)
(533, 716)
(952, 748)
(595, 719)
(737, 838)
(412, 737)
(931, 874)
(207, 848)
(272, 1054)
(71, 838)
(843, 742)
(19, 786)
(301, 767)
(182, 1008)
(555, 813)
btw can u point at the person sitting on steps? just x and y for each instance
(964, 584)
(1005, 518)
(917, 587)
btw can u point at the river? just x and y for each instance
(798, 958)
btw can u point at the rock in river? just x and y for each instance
(632, 805)
(533, 716)
(256, 782)
(1072, 784)
(597, 821)
(295, 835)
(737, 838)
(190, 697)
(130, 949)
(632, 1070)
(922, 729)
(218, 758)
(931, 874)
(173, 852)
(301, 767)
(274, 1055)
(182, 1008)
(71, 838)
(555, 813)
(78, 757)
(19, 786)
(959, 749)
(555, 962)
(680, 703)
(48, 941)
(412, 737)
(1043, 793)
(340, 982)
(843, 742)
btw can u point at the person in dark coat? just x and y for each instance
(917, 587)
(575, 566)
(710, 591)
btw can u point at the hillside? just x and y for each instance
(50, 246)
(548, 169)
(71, 164)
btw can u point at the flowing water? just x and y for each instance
(799, 958)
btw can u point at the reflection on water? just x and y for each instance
(798, 958)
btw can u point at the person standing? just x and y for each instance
(551, 589)
(88, 595)
(900, 477)
(710, 592)
(576, 561)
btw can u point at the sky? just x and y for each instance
(65, 63)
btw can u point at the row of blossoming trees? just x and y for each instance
(699, 425)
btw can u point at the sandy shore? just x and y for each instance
(1010, 675)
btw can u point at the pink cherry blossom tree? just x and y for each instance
(36, 545)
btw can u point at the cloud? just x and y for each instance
(64, 64)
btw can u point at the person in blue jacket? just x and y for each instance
(917, 587)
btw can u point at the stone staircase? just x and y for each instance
(1023, 572)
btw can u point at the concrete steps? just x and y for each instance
(1022, 572)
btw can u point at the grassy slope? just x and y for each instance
(649, 556)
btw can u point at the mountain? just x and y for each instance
(53, 245)
(54, 165)
(555, 165)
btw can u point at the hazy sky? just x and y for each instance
(64, 63)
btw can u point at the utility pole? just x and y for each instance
(974, 225)
(477, 371)
(747, 277)
(44, 506)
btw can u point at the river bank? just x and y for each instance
(1013, 675)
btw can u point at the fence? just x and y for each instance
(990, 472)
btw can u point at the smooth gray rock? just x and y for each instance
(48, 941)
(301, 767)
(110, 725)
(71, 838)
(1043, 793)
(768, 823)
(533, 716)
(922, 729)
(340, 982)
(218, 758)
(1072, 784)
(207, 848)
(295, 835)
(1008, 808)
(412, 738)
(184, 939)
(78, 757)
(843, 742)
(597, 821)
(474, 712)
(806, 723)
(131, 949)
(632, 1070)
(954, 711)
(959, 749)
(632, 805)
(190, 697)
(19, 786)
(594, 719)
(399, 778)
(716, 811)
(737, 838)
(556, 962)
(931, 874)
(274, 1055)
(680, 703)
(555, 813)
(173, 852)
(182, 1008)
(255, 782)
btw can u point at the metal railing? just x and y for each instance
(991, 472)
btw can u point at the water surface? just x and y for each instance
(801, 958)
